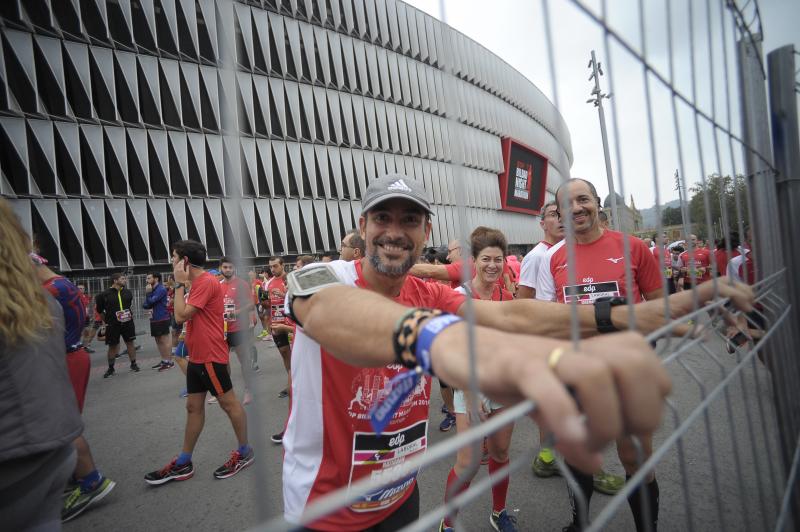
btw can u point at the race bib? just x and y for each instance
(230, 312)
(587, 293)
(380, 456)
(277, 314)
(124, 315)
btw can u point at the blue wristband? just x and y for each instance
(428, 334)
(404, 383)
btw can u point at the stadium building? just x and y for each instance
(129, 124)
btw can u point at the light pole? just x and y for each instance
(597, 100)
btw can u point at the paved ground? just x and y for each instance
(134, 424)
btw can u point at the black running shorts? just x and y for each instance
(126, 330)
(159, 328)
(208, 377)
(281, 340)
(239, 337)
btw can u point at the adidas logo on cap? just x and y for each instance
(399, 185)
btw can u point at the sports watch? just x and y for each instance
(602, 313)
(307, 282)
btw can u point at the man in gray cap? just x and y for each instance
(356, 334)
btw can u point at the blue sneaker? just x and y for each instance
(184, 393)
(502, 522)
(447, 423)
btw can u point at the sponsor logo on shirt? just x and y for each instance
(615, 261)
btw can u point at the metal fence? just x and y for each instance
(727, 452)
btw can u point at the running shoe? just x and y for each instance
(277, 438)
(445, 411)
(164, 366)
(447, 423)
(284, 394)
(607, 483)
(235, 463)
(184, 393)
(248, 398)
(135, 367)
(109, 373)
(544, 469)
(78, 500)
(88, 349)
(157, 365)
(502, 522)
(212, 400)
(444, 528)
(171, 471)
(262, 334)
(70, 487)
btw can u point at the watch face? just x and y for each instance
(310, 278)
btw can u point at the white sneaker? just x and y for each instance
(212, 400)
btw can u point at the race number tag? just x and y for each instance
(587, 293)
(124, 315)
(380, 456)
(230, 312)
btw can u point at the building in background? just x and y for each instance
(122, 131)
(630, 220)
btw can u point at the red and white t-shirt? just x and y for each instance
(741, 268)
(231, 291)
(529, 271)
(702, 264)
(599, 271)
(329, 442)
(276, 292)
(205, 336)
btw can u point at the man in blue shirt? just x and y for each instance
(156, 302)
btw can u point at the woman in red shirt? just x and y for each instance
(488, 253)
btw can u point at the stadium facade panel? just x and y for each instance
(129, 124)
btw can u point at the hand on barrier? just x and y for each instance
(617, 382)
(650, 314)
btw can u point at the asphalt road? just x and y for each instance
(134, 424)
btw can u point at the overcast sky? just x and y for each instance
(514, 30)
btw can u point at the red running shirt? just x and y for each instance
(276, 291)
(231, 301)
(205, 336)
(600, 271)
(702, 259)
(329, 442)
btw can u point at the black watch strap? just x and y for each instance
(179, 285)
(602, 313)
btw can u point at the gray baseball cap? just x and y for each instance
(395, 186)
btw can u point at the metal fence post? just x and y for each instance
(786, 150)
(764, 217)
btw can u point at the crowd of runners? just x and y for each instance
(362, 338)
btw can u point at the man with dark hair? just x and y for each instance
(238, 301)
(344, 357)
(352, 246)
(156, 300)
(207, 369)
(280, 324)
(326, 257)
(115, 306)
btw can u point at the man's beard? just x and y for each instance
(387, 270)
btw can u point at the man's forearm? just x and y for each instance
(179, 306)
(434, 271)
(356, 326)
(542, 318)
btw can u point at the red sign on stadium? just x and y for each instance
(524, 182)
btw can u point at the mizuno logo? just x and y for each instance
(399, 185)
(615, 261)
(561, 266)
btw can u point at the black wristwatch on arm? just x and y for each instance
(602, 313)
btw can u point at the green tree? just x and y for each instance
(671, 216)
(720, 191)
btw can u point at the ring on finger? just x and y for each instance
(554, 356)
